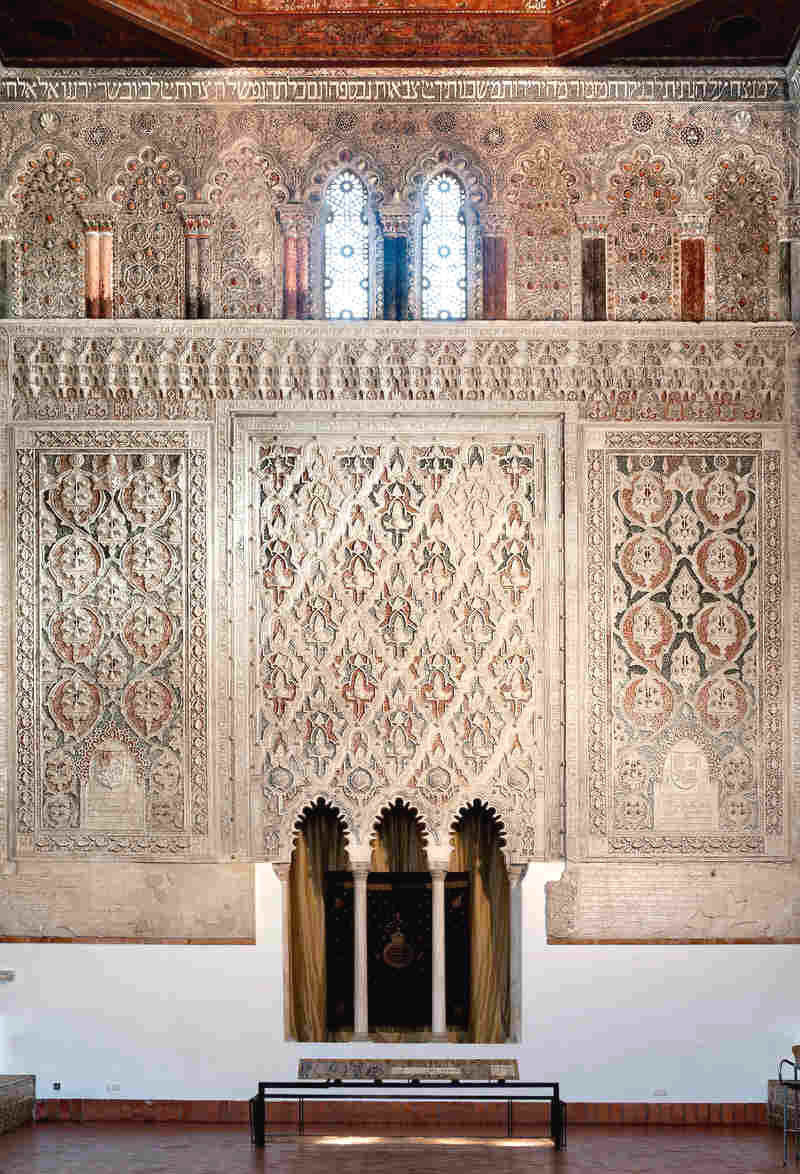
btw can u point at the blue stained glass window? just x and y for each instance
(444, 249)
(346, 248)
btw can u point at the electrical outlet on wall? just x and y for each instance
(659, 1092)
(56, 1086)
(112, 1088)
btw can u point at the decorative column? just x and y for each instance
(281, 868)
(8, 239)
(693, 227)
(789, 264)
(396, 223)
(439, 999)
(296, 226)
(98, 221)
(589, 300)
(516, 874)
(496, 229)
(360, 999)
(197, 233)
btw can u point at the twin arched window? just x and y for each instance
(349, 252)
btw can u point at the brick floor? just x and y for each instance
(57, 1148)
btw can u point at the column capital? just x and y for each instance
(295, 220)
(197, 217)
(8, 218)
(281, 870)
(438, 861)
(789, 223)
(496, 219)
(693, 221)
(97, 216)
(516, 874)
(396, 217)
(592, 215)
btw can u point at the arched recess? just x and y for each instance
(246, 189)
(445, 161)
(323, 199)
(542, 192)
(643, 190)
(49, 189)
(320, 846)
(745, 192)
(398, 841)
(478, 841)
(149, 244)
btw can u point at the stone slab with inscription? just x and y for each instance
(413, 1069)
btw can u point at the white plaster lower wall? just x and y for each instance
(611, 1023)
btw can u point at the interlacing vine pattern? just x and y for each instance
(444, 248)
(346, 248)
(120, 732)
(49, 192)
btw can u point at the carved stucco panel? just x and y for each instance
(685, 749)
(402, 638)
(112, 698)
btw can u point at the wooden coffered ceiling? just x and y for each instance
(393, 32)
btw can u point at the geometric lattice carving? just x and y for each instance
(112, 694)
(542, 192)
(149, 245)
(247, 189)
(643, 251)
(402, 653)
(685, 726)
(49, 191)
(744, 195)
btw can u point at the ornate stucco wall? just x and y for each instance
(541, 562)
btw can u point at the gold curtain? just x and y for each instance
(398, 843)
(319, 848)
(476, 850)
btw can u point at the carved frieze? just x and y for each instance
(668, 372)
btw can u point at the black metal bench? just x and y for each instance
(414, 1089)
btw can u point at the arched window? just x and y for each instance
(346, 248)
(444, 248)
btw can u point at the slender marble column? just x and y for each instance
(516, 874)
(92, 255)
(692, 230)
(360, 1000)
(296, 228)
(282, 872)
(396, 218)
(496, 227)
(106, 271)
(98, 227)
(439, 1007)
(197, 229)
